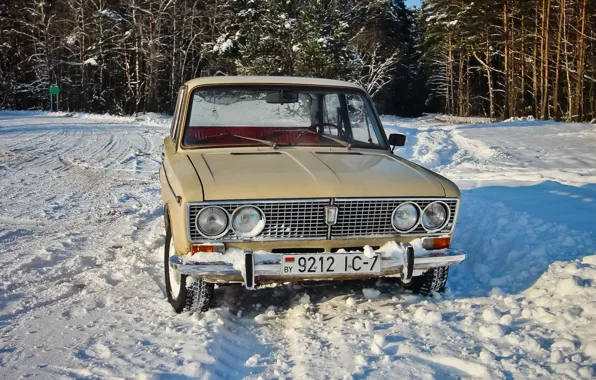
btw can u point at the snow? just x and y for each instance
(368, 251)
(427, 317)
(491, 315)
(371, 293)
(304, 300)
(82, 289)
(223, 44)
(232, 256)
(113, 15)
(91, 61)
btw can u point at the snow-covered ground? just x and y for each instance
(82, 294)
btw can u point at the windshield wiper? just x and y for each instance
(265, 142)
(306, 130)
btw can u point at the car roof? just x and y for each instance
(276, 80)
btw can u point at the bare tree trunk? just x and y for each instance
(173, 58)
(451, 76)
(468, 85)
(490, 80)
(150, 61)
(546, 35)
(460, 85)
(513, 89)
(137, 82)
(535, 66)
(523, 66)
(557, 66)
(447, 94)
(82, 57)
(567, 71)
(506, 58)
(579, 90)
(488, 69)
(101, 52)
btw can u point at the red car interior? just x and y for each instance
(280, 135)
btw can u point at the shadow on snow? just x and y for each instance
(512, 234)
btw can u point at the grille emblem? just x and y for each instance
(331, 215)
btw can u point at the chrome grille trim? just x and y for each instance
(371, 217)
(296, 219)
(304, 219)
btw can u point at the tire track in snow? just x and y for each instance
(76, 194)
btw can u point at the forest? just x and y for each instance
(499, 59)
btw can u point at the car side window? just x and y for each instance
(331, 113)
(177, 111)
(361, 125)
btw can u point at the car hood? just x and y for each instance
(297, 173)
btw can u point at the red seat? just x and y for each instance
(279, 135)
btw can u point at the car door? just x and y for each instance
(169, 149)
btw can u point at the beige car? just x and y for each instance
(282, 179)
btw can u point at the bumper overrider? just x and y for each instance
(252, 273)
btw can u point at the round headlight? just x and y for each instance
(248, 221)
(212, 221)
(405, 217)
(435, 216)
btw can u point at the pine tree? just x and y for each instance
(321, 47)
(265, 38)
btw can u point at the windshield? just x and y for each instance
(281, 116)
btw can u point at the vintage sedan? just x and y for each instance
(282, 179)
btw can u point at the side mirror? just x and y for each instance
(396, 139)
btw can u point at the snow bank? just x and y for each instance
(462, 120)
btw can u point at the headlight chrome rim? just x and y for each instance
(249, 235)
(417, 219)
(447, 217)
(223, 233)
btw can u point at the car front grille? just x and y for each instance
(305, 219)
(372, 217)
(285, 220)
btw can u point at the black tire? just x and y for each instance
(434, 280)
(195, 295)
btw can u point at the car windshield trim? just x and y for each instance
(372, 125)
(265, 142)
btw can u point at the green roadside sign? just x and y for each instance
(54, 90)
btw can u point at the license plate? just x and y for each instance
(299, 265)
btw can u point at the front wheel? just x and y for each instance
(184, 293)
(433, 280)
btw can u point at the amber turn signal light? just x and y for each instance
(207, 248)
(202, 248)
(440, 243)
(436, 243)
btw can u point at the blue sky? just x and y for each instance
(413, 2)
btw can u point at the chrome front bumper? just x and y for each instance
(267, 272)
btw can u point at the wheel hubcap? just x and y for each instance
(174, 274)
